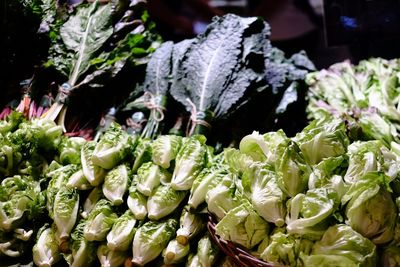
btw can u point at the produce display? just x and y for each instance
(215, 76)
(74, 199)
(366, 95)
(140, 186)
(89, 49)
(317, 198)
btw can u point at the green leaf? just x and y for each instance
(84, 34)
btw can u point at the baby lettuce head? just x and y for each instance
(243, 226)
(137, 202)
(342, 246)
(149, 176)
(116, 184)
(175, 252)
(110, 258)
(191, 159)
(94, 196)
(164, 201)
(224, 196)
(99, 221)
(323, 139)
(121, 235)
(309, 214)
(66, 208)
(266, 197)
(46, 251)
(370, 208)
(208, 178)
(93, 173)
(165, 149)
(142, 153)
(112, 148)
(150, 240)
(207, 252)
(293, 171)
(190, 224)
(83, 251)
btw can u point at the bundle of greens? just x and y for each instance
(366, 95)
(96, 44)
(218, 72)
(93, 46)
(227, 65)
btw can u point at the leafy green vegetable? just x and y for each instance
(70, 149)
(190, 160)
(137, 202)
(342, 245)
(142, 153)
(11, 122)
(207, 252)
(262, 147)
(366, 94)
(190, 224)
(328, 173)
(83, 251)
(224, 196)
(108, 257)
(116, 184)
(207, 179)
(78, 181)
(308, 214)
(164, 201)
(175, 252)
(59, 178)
(370, 156)
(286, 249)
(99, 221)
(94, 196)
(156, 86)
(165, 149)
(149, 176)
(20, 200)
(266, 197)
(243, 226)
(150, 239)
(83, 34)
(65, 210)
(93, 173)
(323, 139)
(112, 148)
(292, 169)
(213, 76)
(370, 209)
(46, 251)
(121, 235)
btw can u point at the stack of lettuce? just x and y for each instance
(365, 95)
(314, 199)
(85, 203)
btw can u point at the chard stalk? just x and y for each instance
(59, 108)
